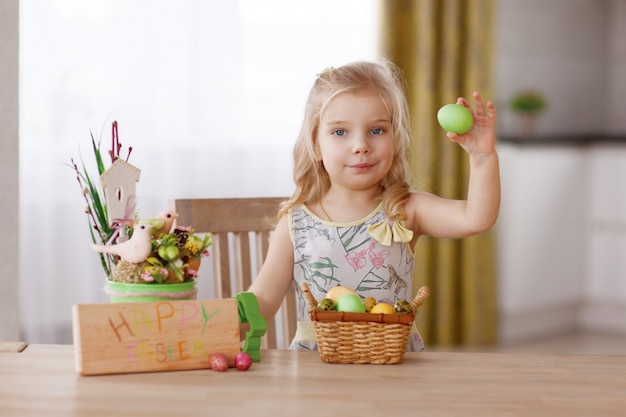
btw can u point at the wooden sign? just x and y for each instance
(153, 336)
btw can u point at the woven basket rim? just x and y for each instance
(342, 316)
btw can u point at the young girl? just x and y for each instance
(353, 220)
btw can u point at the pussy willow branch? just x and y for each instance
(105, 260)
(89, 210)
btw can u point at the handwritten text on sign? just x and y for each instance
(153, 336)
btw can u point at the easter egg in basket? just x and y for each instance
(350, 303)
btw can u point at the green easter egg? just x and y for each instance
(455, 118)
(350, 303)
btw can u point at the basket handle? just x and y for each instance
(420, 297)
(306, 291)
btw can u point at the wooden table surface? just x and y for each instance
(41, 380)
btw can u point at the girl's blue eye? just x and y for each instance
(377, 131)
(339, 132)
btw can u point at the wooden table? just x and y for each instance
(41, 380)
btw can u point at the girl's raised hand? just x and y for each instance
(481, 137)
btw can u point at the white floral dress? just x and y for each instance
(371, 256)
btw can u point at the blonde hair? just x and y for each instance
(310, 176)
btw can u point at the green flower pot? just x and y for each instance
(121, 292)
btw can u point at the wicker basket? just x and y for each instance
(362, 337)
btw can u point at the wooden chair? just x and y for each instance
(241, 229)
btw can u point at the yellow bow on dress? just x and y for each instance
(384, 233)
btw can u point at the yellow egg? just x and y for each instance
(335, 293)
(369, 303)
(383, 308)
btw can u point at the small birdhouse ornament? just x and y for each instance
(119, 185)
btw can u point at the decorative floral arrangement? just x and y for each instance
(175, 258)
(174, 255)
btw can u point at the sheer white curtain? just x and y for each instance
(209, 94)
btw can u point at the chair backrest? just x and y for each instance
(241, 229)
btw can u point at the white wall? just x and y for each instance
(562, 230)
(573, 52)
(209, 93)
(9, 260)
(616, 122)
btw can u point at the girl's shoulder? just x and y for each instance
(418, 203)
(417, 198)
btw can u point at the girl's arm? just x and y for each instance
(276, 274)
(438, 217)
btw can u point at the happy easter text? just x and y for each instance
(191, 318)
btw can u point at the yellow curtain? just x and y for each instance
(445, 49)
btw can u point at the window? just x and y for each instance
(210, 95)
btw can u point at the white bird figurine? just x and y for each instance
(135, 250)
